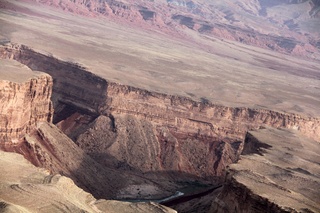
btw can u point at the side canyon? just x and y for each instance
(121, 142)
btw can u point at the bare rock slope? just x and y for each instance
(26, 188)
(278, 171)
(53, 150)
(130, 128)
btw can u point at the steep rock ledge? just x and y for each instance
(102, 97)
(24, 100)
(278, 171)
(202, 118)
(26, 115)
(164, 123)
(163, 137)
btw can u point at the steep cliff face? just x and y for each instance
(202, 118)
(278, 171)
(68, 80)
(175, 133)
(130, 143)
(24, 100)
(170, 133)
(140, 135)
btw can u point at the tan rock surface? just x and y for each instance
(283, 26)
(164, 119)
(26, 188)
(278, 171)
(24, 100)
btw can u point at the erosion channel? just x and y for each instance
(126, 143)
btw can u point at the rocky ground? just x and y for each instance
(278, 171)
(26, 188)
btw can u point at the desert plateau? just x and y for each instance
(160, 106)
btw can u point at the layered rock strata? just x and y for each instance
(24, 100)
(170, 133)
(125, 133)
(26, 113)
(278, 171)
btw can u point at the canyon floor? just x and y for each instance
(114, 111)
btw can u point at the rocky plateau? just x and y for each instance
(278, 171)
(233, 20)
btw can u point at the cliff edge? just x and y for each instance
(26, 128)
(24, 100)
(278, 171)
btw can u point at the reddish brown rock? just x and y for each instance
(53, 150)
(24, 100)
(171, 133)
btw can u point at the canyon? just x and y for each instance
(160, 142)
(157, 110)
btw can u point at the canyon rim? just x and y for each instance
(159, 106)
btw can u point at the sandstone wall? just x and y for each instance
(203, 117)
(157, 132)
(73, 86)
(23, 105)
(170, 133)
(77, 88)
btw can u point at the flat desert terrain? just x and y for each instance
(224, 72)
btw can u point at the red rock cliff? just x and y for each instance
(171, 133)
(24, 100)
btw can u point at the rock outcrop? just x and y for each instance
(132, 143)
(278, 171)
(26, 188)
(26, 113)
(202, 138)
(24, 100)
(140, 134)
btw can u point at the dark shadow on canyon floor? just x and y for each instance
(119, 174)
